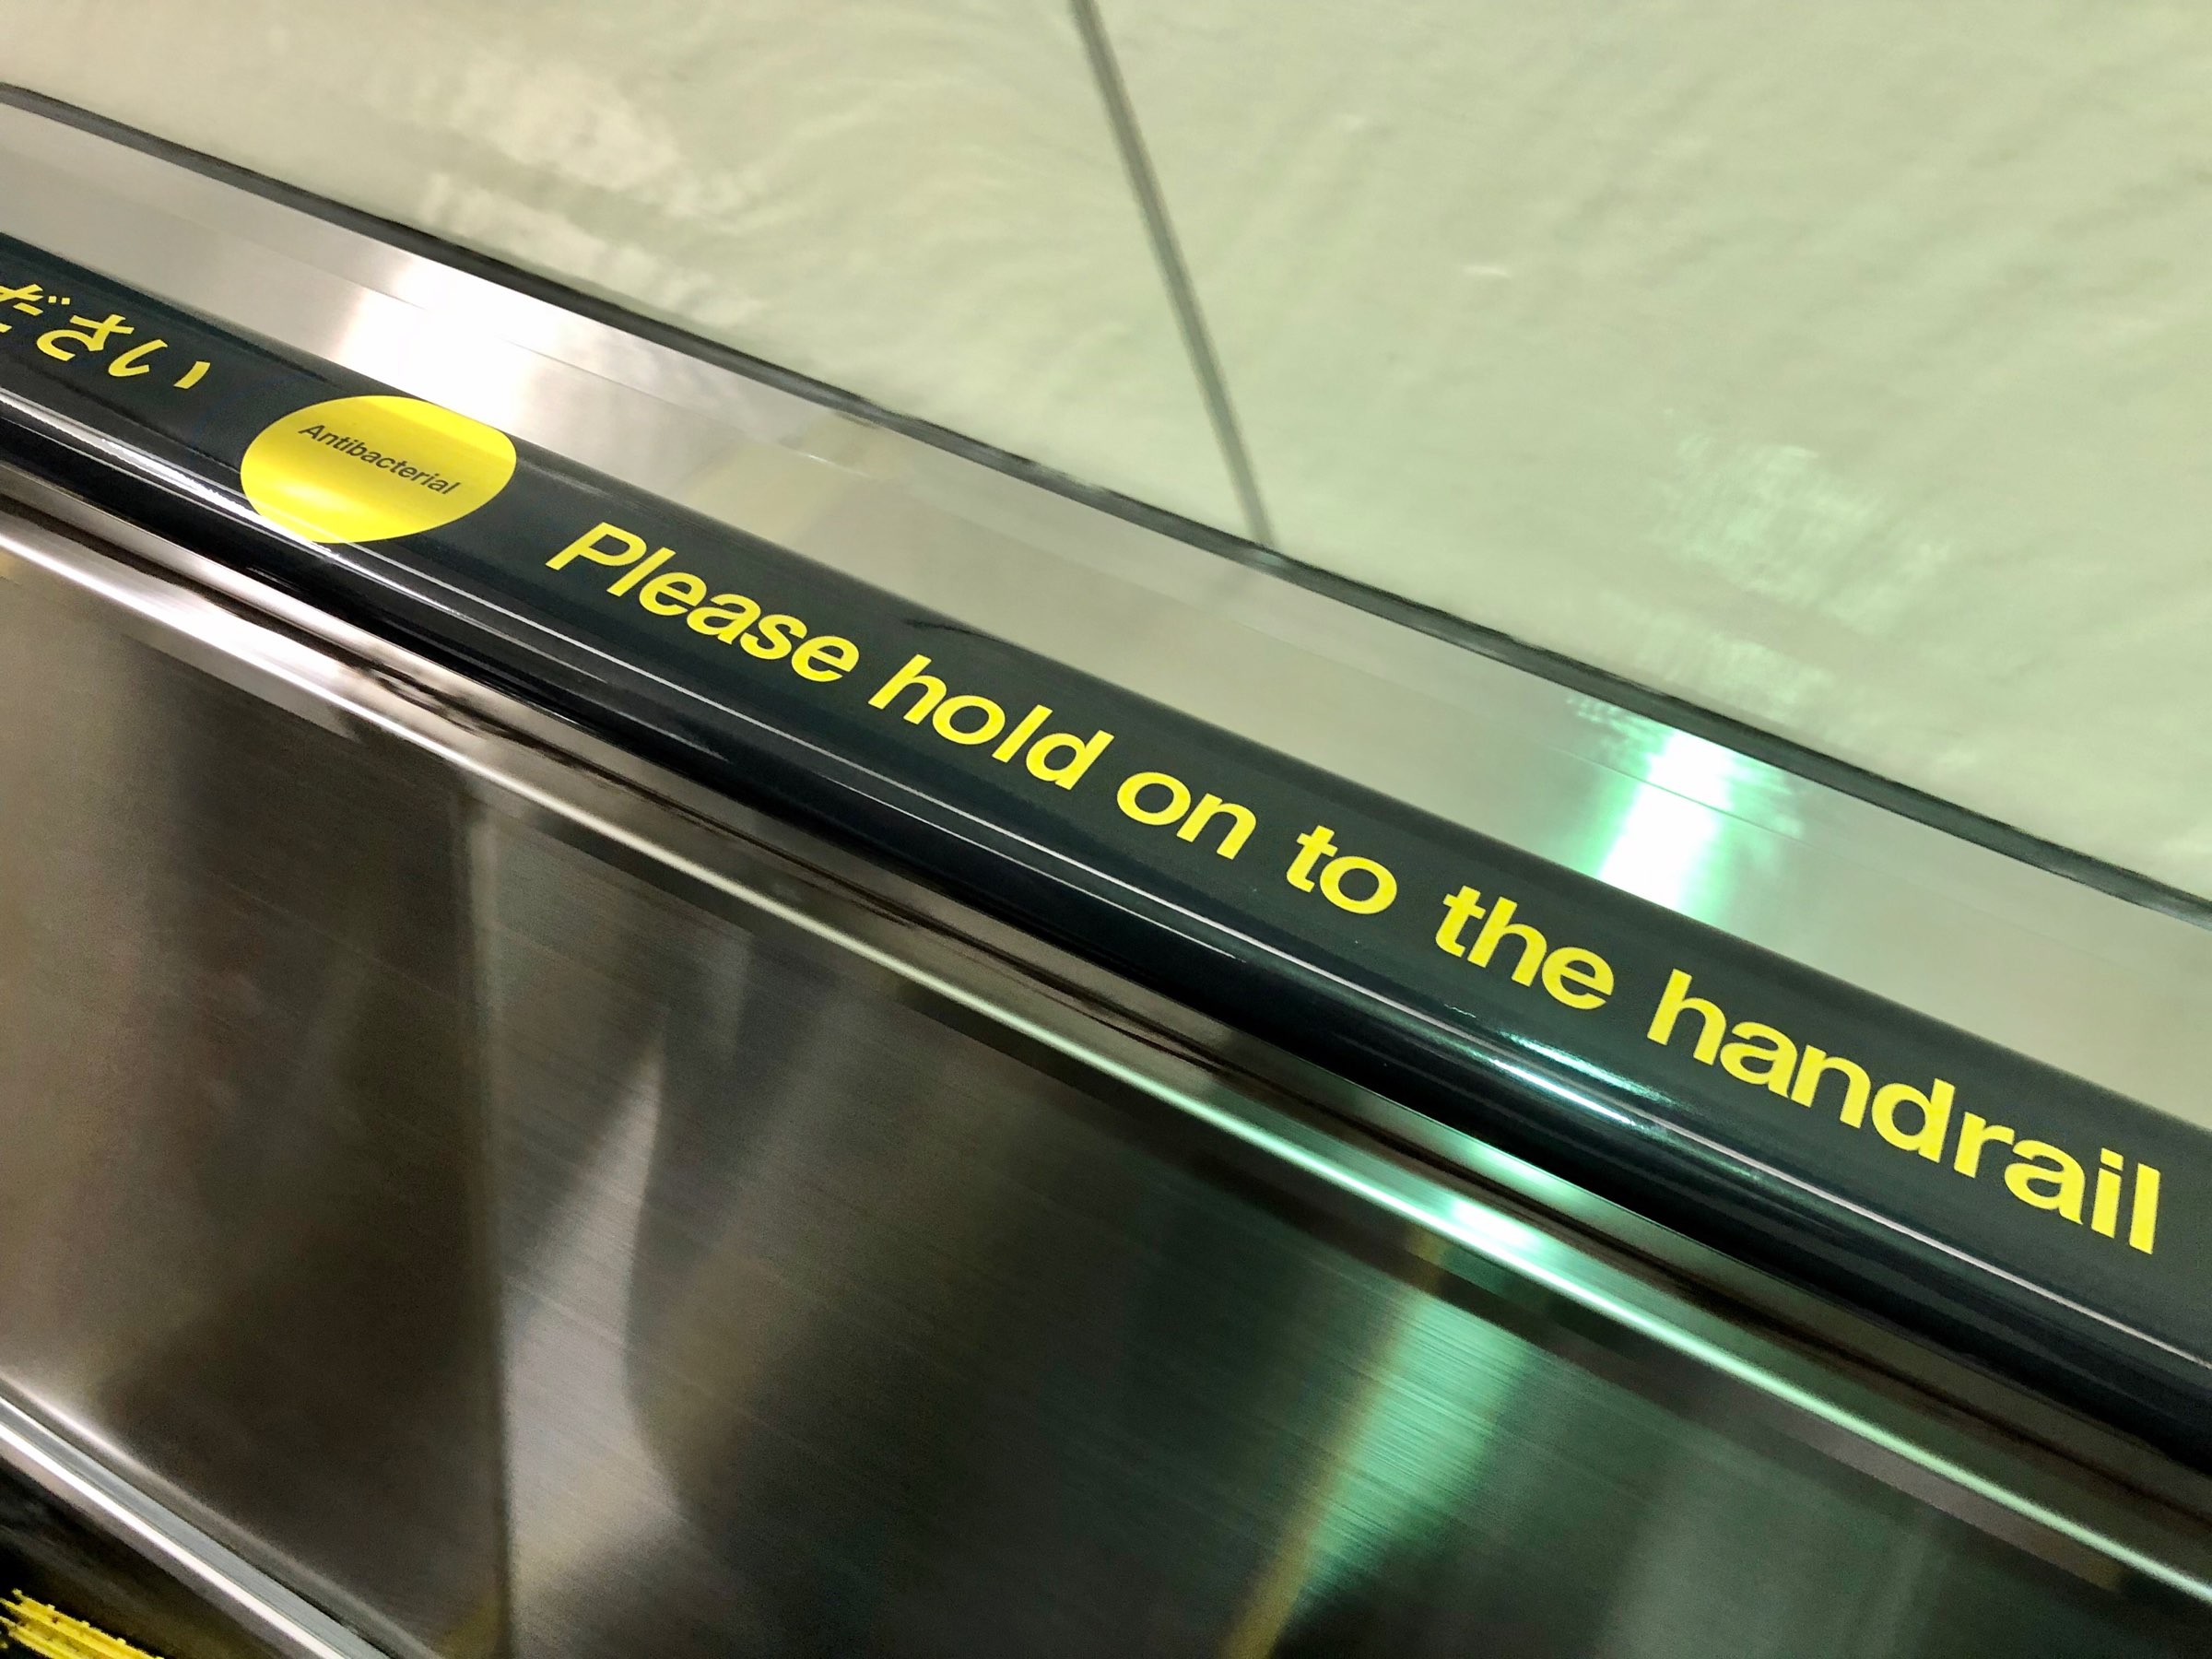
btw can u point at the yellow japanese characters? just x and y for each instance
(88, 338)
(366, 469)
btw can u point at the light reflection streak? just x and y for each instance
(1661, 851)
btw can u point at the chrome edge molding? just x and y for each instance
(89, 1489)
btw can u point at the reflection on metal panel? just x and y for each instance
(834, 1330)
(1663, 848)
(239, 1128)
(519, 1237)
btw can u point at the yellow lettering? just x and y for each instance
(1080, 754)
(672, 594)
(1130, 799)
(946, 720)
(1974, 1133)
(1934, 1110)
(1242, 823)
(1021, 733)
(1458, 908)
(1760, 1054)
(1581, 978)
(772, 637)
(729, 616)
(1495, 928)
(2104, 1209)
(929, 686)
(1332, 885)
(1314, 846)
(1857, 1085)
(2045, 1177)
(1672, 1006)
(587, 547)
(2143, 1220)
(826, 658)
(637, 573)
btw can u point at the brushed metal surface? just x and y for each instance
(2107, 989)
(525, 1215)
(240, 1125)
(833, 1331)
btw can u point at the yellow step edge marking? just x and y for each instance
(52, 1633)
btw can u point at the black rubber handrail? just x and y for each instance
(1847, 1142)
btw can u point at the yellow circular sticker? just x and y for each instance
(364, 469)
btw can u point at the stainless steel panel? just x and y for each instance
(835, 1330)
(240, 1121)
(2087, 982)
(525, 1207)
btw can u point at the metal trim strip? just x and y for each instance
(89, 1489)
